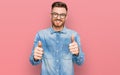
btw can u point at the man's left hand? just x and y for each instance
(73, 46)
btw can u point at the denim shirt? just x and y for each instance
(57, 58)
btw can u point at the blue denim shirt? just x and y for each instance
(57, 59)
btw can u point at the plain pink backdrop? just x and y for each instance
(97, 22)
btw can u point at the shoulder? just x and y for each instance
(71, 31)
(42, 32)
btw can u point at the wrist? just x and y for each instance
(35, 59)
(76, 54)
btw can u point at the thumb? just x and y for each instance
(39, 44)
(72, 38)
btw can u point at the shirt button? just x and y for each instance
(57, 70)
(57, 51)
(57, 41)
(57, 60)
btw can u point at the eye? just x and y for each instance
(54, 14)
(63, 14)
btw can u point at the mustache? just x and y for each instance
(58, 20)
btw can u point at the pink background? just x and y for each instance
(97, 22)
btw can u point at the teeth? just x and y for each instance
(58, 21)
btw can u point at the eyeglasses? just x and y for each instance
(55, 15)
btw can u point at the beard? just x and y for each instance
(58, 23)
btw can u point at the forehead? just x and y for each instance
(59, 10)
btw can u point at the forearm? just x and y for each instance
(79, 59)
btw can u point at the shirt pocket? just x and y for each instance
(66, 55)
(47, 55)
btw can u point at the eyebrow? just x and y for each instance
(58, 13)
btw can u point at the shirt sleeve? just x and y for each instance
(78, 59)
(32, 61)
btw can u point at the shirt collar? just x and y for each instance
(53, 31)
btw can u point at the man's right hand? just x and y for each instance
(38, 51)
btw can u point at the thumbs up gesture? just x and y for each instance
(73, 46)
(38, 51)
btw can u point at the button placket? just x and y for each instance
(57, 52)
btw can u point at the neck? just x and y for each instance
(58, 28)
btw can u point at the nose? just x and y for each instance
(58, 17)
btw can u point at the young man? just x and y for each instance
(57, 47)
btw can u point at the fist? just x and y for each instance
(73, 46)
(38, 51)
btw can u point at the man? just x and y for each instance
(57, 47)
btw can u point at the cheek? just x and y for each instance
(53, 19)
(63, 20)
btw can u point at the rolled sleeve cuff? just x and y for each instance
(34, 62)
(79, 58)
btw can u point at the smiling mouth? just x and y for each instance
(57, 21)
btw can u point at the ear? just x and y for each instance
(66, 17)
(50, 16)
